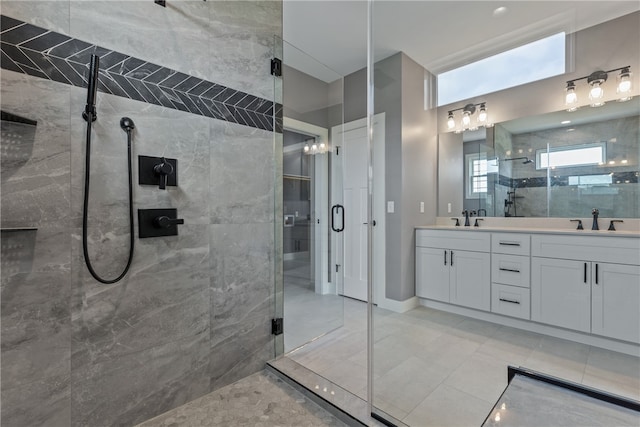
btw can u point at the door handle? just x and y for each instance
(445, 257)
(596, 274)
(452, 258)
(509, 269)
(335, 209)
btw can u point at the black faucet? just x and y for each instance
(483, 210)
(595, 213)
(611, 226)
(467, 213)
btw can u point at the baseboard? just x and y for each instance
(399, 306)
(527, 325)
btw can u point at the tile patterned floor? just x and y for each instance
(259, 400)
(426, 362)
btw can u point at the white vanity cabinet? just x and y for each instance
(454, 267)
(587, 284)
(510, 274)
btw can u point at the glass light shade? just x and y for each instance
(323, 147)
(595, 94)
(482, 115)
(466, 120)
(451, 123)
(306, 148)
(571, 99)
(624, 86)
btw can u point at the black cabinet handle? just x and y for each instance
(445, 257)
(451, 258)
(510, 301)
(509, 244)
(596, 274)
(509, 269)
(585, 272)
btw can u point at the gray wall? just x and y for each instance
(311, 100)
(193, 314)
(419, 169)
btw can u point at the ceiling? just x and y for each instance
(439, 35)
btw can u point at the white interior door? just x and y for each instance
(355, 207)
(349, 189)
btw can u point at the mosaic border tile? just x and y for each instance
(38, 52)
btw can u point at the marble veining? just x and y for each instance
(193, 313)
(49, 55)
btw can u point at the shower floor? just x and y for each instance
(260, 399)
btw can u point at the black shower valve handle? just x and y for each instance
(163, 170)
(166, 222)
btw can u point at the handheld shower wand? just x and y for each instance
(127, 125)
(92, 89)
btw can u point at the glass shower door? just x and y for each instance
(312, 212)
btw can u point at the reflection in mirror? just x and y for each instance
(564, 164)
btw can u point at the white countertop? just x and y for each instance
(630, 227)
(569, 232)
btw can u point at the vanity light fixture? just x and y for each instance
(467, 120)
(314, 148)
(596, 81)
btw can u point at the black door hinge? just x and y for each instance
(277, 326)
(276, 67)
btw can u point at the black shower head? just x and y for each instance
(527, 161)
(92, 89)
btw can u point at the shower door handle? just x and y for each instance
(335, 210)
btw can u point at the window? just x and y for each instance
(478, 167)
(589, 180)
(571, 156)
(524, 64)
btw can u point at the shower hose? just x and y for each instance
(127, 127)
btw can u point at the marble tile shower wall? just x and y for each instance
(193, 314)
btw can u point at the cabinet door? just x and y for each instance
(432, 273)
(561, 293)
(616, 301)
(471, 279)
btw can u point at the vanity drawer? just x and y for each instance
(510, 301)
(510, 243)
(511, 270)
(462, 240)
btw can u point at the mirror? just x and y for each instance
(560, 164)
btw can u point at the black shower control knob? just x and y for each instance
(166, 222)
(163, 168)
